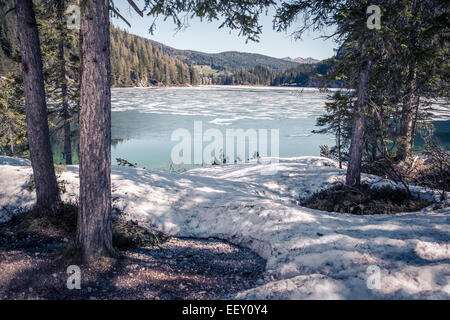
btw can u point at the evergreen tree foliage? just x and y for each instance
(136, 62)
(59, 45)
(337, 120)
(13, 132)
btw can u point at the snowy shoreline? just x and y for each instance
(310, 254)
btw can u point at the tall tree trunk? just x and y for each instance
(11, 144)
(94, 234)
(407, 116)
(339, 144)
(47, 192)
(353, 177)
(63, 84)
(67, 141)
(382, 142)
(414, 125)
(373, 145)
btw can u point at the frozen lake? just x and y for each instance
(143, 119)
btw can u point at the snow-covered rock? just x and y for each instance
(310, 254)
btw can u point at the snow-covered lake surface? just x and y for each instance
(310, 254)
(143, 119)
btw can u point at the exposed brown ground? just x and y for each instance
(31, 268)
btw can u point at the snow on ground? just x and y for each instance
(310, 254)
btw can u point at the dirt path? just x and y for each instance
(178, 269)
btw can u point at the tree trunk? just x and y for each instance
(11, 145)
(63, 85)
(94, 234)
(381, 126)
(373, 146)
(406, 121)
(414, 125)
(338, 137)
(47, 192)
(339, 145)
(353, 177)
(67, 142)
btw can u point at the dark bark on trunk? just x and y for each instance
(374, 147)
(63, 86)
(67, 142)
(414, 125)
(406, 121)
(339, 144)
(47, 192)
(353, 177)
(94, 234)
(11, 145)
(381, 125)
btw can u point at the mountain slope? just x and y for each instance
(301, 60)
(229, 61)
(136, 62)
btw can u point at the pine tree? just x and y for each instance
(47, 190)
(13, 139)
(337, 120)
(59, 47)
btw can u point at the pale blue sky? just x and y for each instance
(206, 37)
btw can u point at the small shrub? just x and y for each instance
(61, 183)
(128, 234)
(63, 224)
(364, 200)
(435, 171)
(60, 169)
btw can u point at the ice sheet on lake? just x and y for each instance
(234, 102)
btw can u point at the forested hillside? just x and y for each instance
(240, 68)
(136, 62)
(258, 75)
(304, 75)
(308, 75)
(230, 61)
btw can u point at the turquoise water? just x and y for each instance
(143, 119)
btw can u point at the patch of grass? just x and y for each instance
(207, 71)
(60, 169)
(63, 224)
(364, 200)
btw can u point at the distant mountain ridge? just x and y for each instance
(229, 61)
(301, 60)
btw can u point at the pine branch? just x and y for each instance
(119, 15)
(135, 7)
